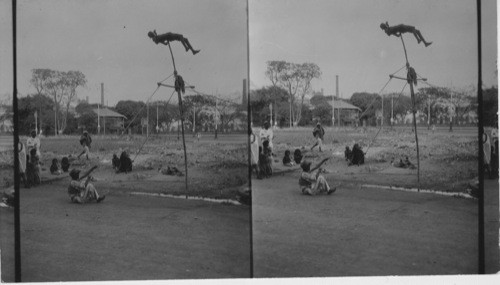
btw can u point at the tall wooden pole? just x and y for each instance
(414, 113)
(181, 111)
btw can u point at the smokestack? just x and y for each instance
(102, 94)
(337, 86)
(244, 96)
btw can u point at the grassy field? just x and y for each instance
(448, 160)
(217, 168)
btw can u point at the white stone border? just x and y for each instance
(229, 201)
(415, 190)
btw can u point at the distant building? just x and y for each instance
(109, 120)
(348, 113)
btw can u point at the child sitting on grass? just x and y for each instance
(287, 160)
(313, 183)
(55, 169)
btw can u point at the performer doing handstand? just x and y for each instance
(168, 37)
(400, 29)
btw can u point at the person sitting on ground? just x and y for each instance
(347, 153)
(401, 29)
(318, 133)
(287, 160)
(125, 163)
(85, 141)
(313, 183)
(55, 168)
(115, 162)
(169, 37)
(81, 191)
(297, 156)
(358, 156)
(65, 164)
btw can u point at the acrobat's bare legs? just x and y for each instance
(420, 38)
(188, 46)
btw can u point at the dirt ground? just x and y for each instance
(448, 160)
(134, 237)
(368, 231)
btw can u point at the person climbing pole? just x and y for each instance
(168, 37)
(401, 29)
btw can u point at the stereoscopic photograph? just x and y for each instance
(211, 140)
(132, 141)
(365, 137)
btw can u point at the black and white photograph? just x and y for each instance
(134, 113)
(249, 141)
(365, 123)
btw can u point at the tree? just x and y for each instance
(27, 106)
(324, 114)
(368, 103)
(61, 86)
(260, 100)
(73, 80)
(296, 79)
(134, 111)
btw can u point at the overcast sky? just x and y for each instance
(344, 38)
(107, 41)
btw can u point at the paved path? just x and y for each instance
(125, 238)
(491, 226)
(358, 232)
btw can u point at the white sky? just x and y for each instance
(344, 38)
(108, 42)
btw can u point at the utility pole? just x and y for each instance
(147, 119)
(392, 110)
(382, 118)
(216, 118)
(98, 115)
(157, 127)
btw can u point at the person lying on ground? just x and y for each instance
(80, 190)
(401, 29)
(313, 183)
(169, 37)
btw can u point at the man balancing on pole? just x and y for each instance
(401, 29)
(168, 37)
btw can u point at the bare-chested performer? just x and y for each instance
(168, 37)
(401, 29)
